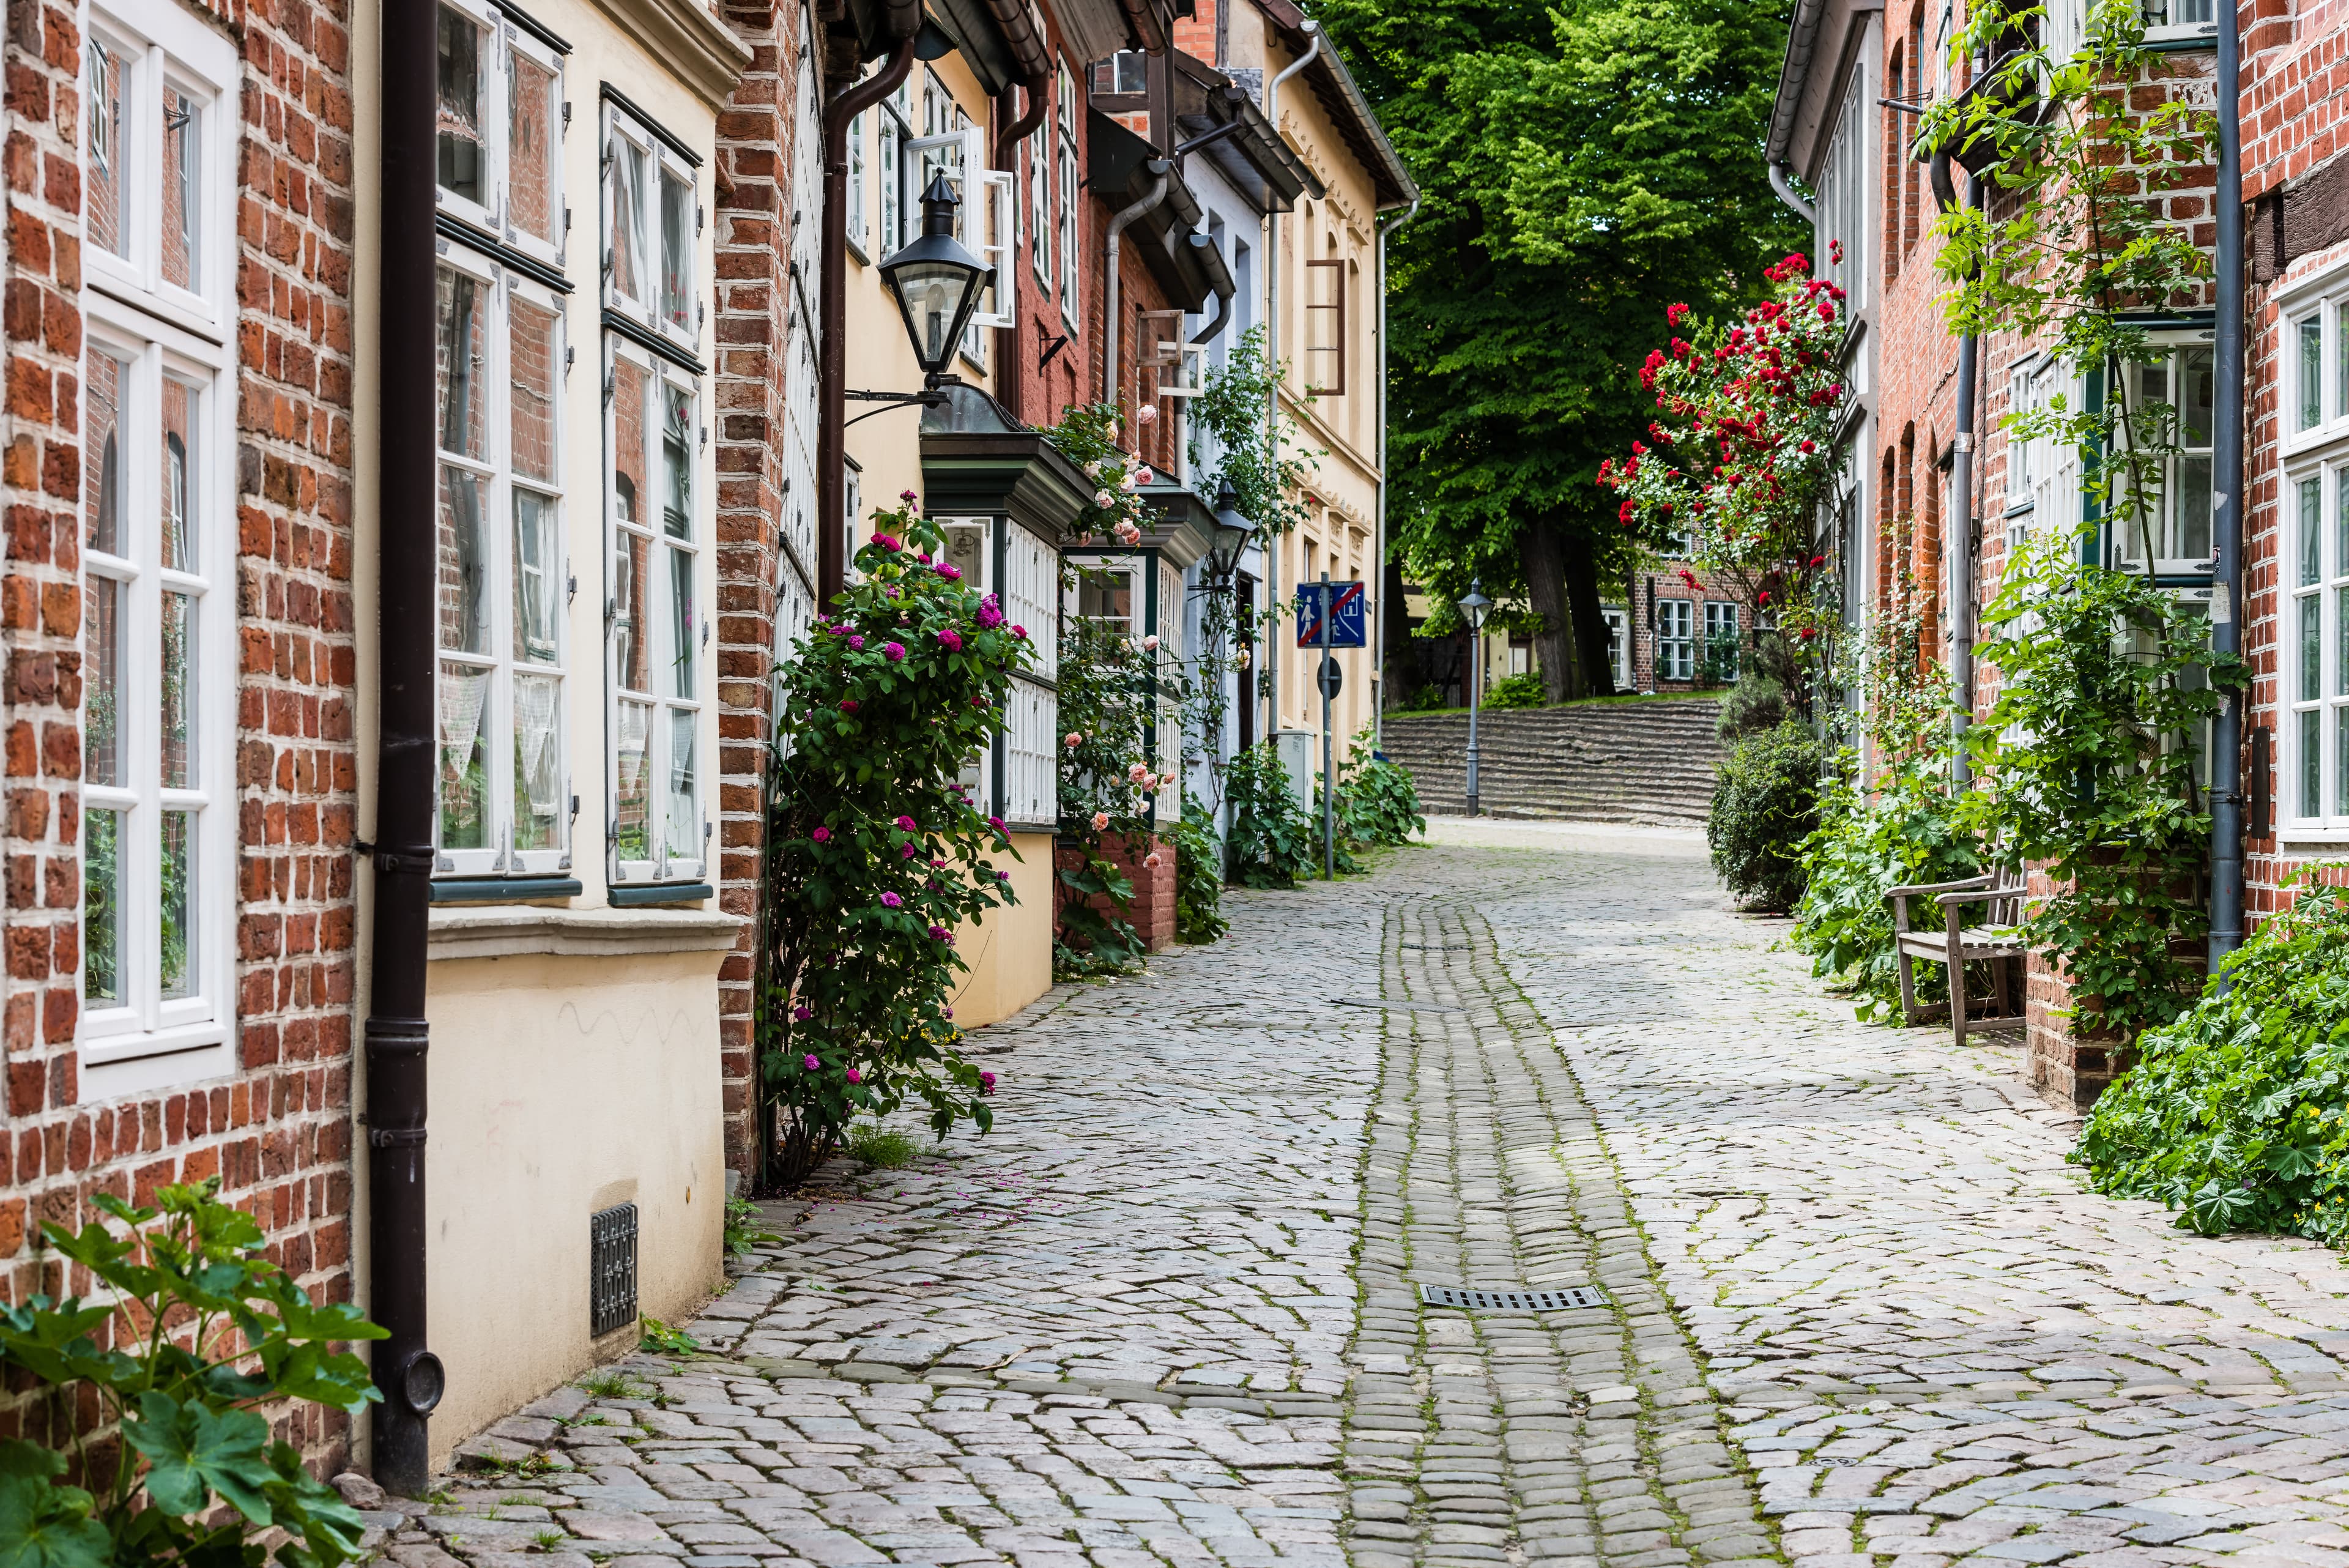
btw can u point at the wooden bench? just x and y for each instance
(1995, 942)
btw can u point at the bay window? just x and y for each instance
(158, 826)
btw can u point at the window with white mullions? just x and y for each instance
(1721, 649)
(498, 130)
(658, 630)
(1072, 208)
(2316, 646)
(502, 581)
(1675, 639)
(2177, 516)
(652, 225)
(158, 554)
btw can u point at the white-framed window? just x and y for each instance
(1105, 588)
(158, 551)
(1842, 200)
(1675, 639)
(1619, 646)
(1072, 219)
(2178, 518)
(659, 634)
(1037, 154)
(2314, 796)
(505, 578)
(859, 236)
(893, 127)
(2180, 19)
(652, 227)
(2042, 471)
(852, 491)
(498, 135)
(1720, 636)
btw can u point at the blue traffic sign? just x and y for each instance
(1346, 627)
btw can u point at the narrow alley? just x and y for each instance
(1856, 1305)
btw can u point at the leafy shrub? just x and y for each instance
(1273, 841)
(2237, 1114)
(1909, 832)
(1756, 703)
(1719, 666)
(1198, 877)
(1426, 699)
(2085, 771)
(875, 852)
(1090, 934)
(744, 1228)
(873, 1144)
(1524, 691)
(1378, 801)
(196, 1477)
(1765, 804)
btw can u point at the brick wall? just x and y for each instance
(1151, 912)
(759, 214)
(277, 1130)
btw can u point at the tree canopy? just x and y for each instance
(1583, 166)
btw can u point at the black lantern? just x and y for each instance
(936, 282)
(1233, 532)
(1476, 607)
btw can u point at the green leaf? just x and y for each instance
(194, 1451)
(42, 1525)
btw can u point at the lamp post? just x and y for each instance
(936, 284)
(1233, 533)
(1473, 609)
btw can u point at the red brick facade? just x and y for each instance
(277, 1131)
(1152, 911)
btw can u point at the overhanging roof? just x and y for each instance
(1118, 172)
(1254, 159)
(1821, 46)
(1342, 98)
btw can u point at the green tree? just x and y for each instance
(1583, 167)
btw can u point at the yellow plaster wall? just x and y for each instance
(1009, 951)
(559, 1087)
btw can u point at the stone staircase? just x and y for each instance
(1650, 764)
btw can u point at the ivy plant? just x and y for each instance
(876, 852)
(155, 1399)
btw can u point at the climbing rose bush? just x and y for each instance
(1088, 437)
(876, 854)
(1740, 456)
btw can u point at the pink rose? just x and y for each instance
(891, 900)
(893, 652)
(907, 823)
(802, 1013)
(855, 1076)
(822, 835)
(1019, 632)
(810, 1062)
(883, 541)
(1100, 820)
(985, 1083)
(953, 641)
(1073, 740)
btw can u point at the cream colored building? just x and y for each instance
(1328, 328)
(574, 1075)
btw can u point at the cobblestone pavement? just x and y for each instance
(1857, 1310)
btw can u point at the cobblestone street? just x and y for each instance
(1859, 1310)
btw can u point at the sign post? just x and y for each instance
(1330, 616)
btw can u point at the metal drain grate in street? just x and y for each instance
(1513, 1301)
(1438, 947)
(1384, 1005)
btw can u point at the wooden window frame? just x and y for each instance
(1337, 389)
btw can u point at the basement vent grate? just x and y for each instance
(612, 1268)
(1513, 1301)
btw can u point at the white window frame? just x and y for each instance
(1843, 207)
(157, 330)
(2127, 546)
(622, 132)
(499, 289)
(894, 121)
(167, 45)
(1618, 644)
(494, 216)
(1717, 612)
(1675, 639)
(1072, 216)
(2158, 26)
(2315, 576)
(1038, 156)
(859, 216)
(654, 601)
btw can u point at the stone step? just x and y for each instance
(1634, 763)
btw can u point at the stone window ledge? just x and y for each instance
(507, 931)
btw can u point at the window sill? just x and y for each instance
(505, 889)
(636, 896)
(2178, 42)
(2312, 843)
(510, 930)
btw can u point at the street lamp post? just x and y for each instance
(1474, 609)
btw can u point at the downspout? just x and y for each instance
(1959, 548)
(1272, 358)
(832, 304)
(1161, 170)
(1009, 370)
(1379, 538)
(2227, 513)
(1786, 194)
(395, 1033)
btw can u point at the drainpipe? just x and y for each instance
(831, 306)
(1786, 190)
(2226, 513)
(1379, 605)
(395, 1033)
(1958, 549)
(1161, 170)
(1010, 372)
(1272, 354)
